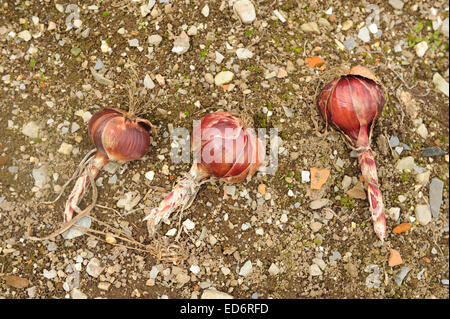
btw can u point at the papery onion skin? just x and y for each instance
(352, 103)
(235, 154)
(233, 164)
(116, 137)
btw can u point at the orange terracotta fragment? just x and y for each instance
(225, 87)
(262, 189)
(315, 61)
(395, 259)
(403, 227)
(318, 177)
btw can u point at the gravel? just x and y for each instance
(436, 191)
(401, 275)
(423, 214)
(246, 269)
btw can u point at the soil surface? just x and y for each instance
(61, 63)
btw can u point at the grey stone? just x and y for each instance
(223, 77)
(148, 82)
(78, 294)
(436, 189)
(373, 280)
(94, 268)
(310, 27)
(154, 272)
(245, 10)
(49, 274)
(401, 275)
(433, 151)
(346, 182)
(154, 39)
(350, 44)
(74, 232)
(444, 27)
(13, 169)
(314, 270)
(319, 262)
(315, 226)
(405, 163)
(31, 292)
(40, 176)
(394, 141)
(423, 214)
(364, 34)
(52, 246)
(31, 129)
(181, 44)
(274, 270)
(335, 256)
(98, 65)
(396, 4)
(182, 278)
(133, 43)
(246, 269)
(231, 190)
(441, 83)
(319, 203)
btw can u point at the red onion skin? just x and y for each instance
(116, 137)
(232, 164)
(246, 152)
(352, 103)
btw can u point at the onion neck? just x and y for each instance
(363, 138)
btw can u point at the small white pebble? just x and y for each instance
(189, 224)
(171, 232)
(150, 175)
(195, 269)
(259, 231)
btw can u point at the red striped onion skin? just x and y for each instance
(229, 151)
(352, 103)
(118, 137)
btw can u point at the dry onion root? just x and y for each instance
(352, 103)
(222, 148)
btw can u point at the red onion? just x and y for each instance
(222, 148)
(352, 103)
(118, 136)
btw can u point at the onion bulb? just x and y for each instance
(223, 148)
(117, 135)
(352, 104)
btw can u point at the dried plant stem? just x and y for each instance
(91, 171)
(369, 173)
(182, 196)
